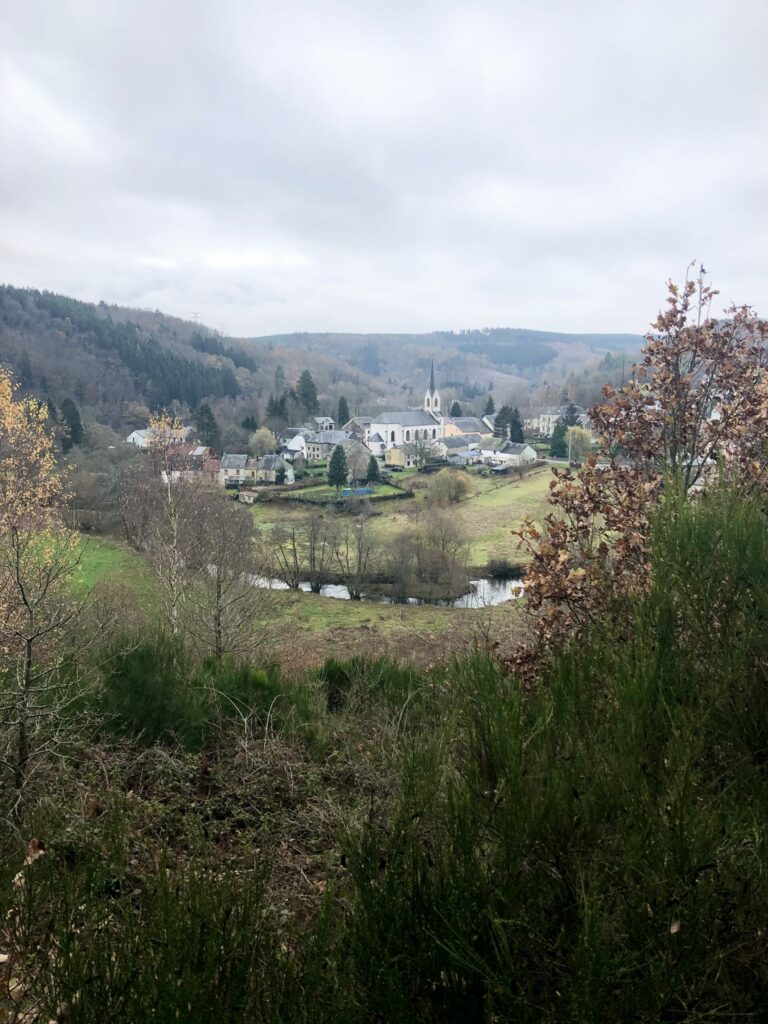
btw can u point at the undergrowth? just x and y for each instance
(379, 844)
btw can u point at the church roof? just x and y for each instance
(432, 376)
(412, 418)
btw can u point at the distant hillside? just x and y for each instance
(119, 363)
(463, 355)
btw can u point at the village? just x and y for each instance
(376, 447)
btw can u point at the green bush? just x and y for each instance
(595, 850)
(154, 691)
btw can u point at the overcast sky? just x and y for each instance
(395, 165)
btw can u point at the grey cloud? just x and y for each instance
(385, 165)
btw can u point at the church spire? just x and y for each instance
(432, 397)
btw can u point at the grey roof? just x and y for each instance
(233, 461)
(466, 441)
(376, 438)
(414, 418)
(330, 437)
(468, 424)
(270, 462)
(513, 448)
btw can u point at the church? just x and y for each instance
(387, 430)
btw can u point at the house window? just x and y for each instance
(407, 435)
(392, 436)
(427, 403)
(434, 433)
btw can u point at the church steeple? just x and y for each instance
(432, 397)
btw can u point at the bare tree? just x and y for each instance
(159, 513)
(287, 556)
(229, 612)
(354, 550)
(320, 533)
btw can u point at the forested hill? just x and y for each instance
(520, 351)
(61, 347)
(117, 363)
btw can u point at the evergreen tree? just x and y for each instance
(250, 423)
(70, 417)
(280, 475)
(374, 474)
(279, 380)
(558, 448)
(342, 415)
(307, 393)
(207, 428)
(490, 406)
(455, 409)
(502, 421)
(338, 473)
(26, 375)
(571, 416)
(515, 427)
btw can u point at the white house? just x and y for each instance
(139, 438)
(542, 421)
(510, 454)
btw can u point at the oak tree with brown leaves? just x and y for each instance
(698, 400)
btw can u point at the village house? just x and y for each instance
(358, 456)
(267, 468)
(322, 423)
(320, 446)
(459, 426)
(296, 446)
(170, 435)
(542, 422)
(139, 438)
(232, 469)
(460, 445)
(510, 453)
(399, 458)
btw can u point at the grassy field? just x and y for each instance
(315, 627)
(106, 560)
(489, 516)
(494, 511)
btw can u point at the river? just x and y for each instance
(483, 593)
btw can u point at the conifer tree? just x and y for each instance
(342, 415)
(70, 417)
(455, 409)
(501, 423)
(338, 473)
(515, 427)
(490, 406)
(207, 428)
(307, 393)
(374, 474)
(571, 415)
(558, 447)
